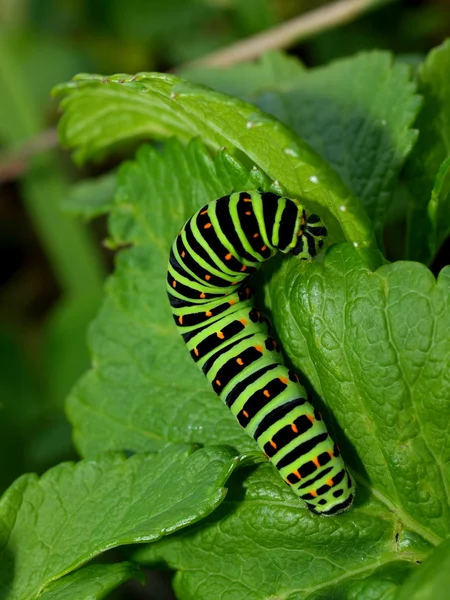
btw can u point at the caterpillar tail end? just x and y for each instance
(339, 506)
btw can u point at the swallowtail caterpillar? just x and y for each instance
(216, 251)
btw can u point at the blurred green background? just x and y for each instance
(53, 267)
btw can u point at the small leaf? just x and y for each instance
(91, 198)
(52, 525)
(439, 208)
(432, 580)
(273, 71)
(430, 152)
(151, 104)
(90, 583)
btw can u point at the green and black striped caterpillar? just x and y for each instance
(210, 261)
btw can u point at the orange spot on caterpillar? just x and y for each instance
(204, 212)
(245, 413)
(247, 199)
(294, 428)
(266, 393)
(196, 351)
(313, 493)
(180, 319)
(272, 443)
(243, 321)
(207, 226)
(239, 361)
(298, 474)
(183, 254)
(218, 382)
(263, 248)
(316, 462)
(284, 380)
(174, 283)
(228, 256)
(248, 212)
(330, 453)
(220, 335)
(208, 313)
(202, 295)
(244, 268)
(259, 348)
(310, 417)
(207, 277)
(330, 483)
(231, 302)
(255, 235)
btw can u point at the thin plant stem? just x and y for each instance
(288, 33)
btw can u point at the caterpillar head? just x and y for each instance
(310, 239)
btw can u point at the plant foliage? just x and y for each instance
(370, 340)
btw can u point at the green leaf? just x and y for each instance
(432, 580)
(273, 71)
(52, 525)
(356, 113)
(261, 543)
(90, 583)
(375, 347)
(137, 351)
(439, 208)
(91, 198)
(20, 407)
(151, 104)
(64, 353)
(430, 152)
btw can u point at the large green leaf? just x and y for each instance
(136, 349)
(261, 544)
(151, 104)
(356, 112)
(52, 525)
(375, 347)
(90, 583)
(432, 149)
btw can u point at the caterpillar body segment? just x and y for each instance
(216, 251)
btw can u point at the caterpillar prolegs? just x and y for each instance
(210, 261)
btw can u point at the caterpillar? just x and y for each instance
(210, 261)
